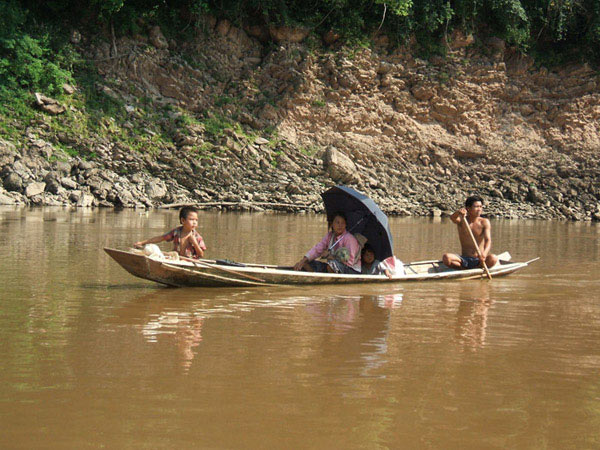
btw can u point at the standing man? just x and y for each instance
(470, 216)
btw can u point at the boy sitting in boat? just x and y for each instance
(186, 240)
(340, 247)
(470, 216)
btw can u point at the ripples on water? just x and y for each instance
(94, 357)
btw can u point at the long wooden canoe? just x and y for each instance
(212, 273)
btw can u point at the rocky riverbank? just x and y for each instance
(251, 125)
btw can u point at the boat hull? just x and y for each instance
(207, 273)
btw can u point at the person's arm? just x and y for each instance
(152, 240)
(318, 249)
(487, 238)
(458, 216)
(199, 250)
(314, 252)
(300, 264)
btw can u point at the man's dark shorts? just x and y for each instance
(468, 262)
(337, 267)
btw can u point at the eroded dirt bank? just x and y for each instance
(255, 125)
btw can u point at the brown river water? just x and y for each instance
(91, 357)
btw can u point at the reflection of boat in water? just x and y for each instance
(344, 325)
(216, 273)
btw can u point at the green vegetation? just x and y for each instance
(216, 124)
(36, 54)
(310, 150)
(34, 51)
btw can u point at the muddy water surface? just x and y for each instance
(92, 357)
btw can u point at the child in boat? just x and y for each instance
(186, 240)
(368, 262)
(371, 266)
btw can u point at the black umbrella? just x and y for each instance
(363, 216)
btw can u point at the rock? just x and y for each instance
(86, 165)
(340, 167)
(75, 37)
(384, 68)
(381, 40)
(496, 44)
(534, 196)
(84, 201)
(68, 89)
(48, 104)
(285, 163)
(388, 130)
(468, 153)
(51, 176)
(423, 93)
(157, 38)
(208, 21)
(269, 113)
(54, 187)
(264, 165)
(75, 196)
(239, 38)
(6, 200)
(155, 190)
(223, 27)
(259, 32)
(349, 81)
(288, 34)
(34, 188)
(459, 40)
(330, 37)
(109, 92)
(293, 188)
(68, 183)
(526, 109)
(517, 63)
(13, 182)
(7, 147)
(124, 198)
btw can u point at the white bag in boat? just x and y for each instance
(153, 251)
(393, 264)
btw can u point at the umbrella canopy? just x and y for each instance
(363, 216)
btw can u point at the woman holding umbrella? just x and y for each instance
(340, 247)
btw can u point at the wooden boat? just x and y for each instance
(216, 273)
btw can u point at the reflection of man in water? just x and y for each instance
(472, 316)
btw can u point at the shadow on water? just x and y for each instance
(121, 286)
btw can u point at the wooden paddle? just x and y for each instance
(481, 258)
(213, 276)
(218, 267)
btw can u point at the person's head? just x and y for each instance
(368, 254)
(188, 217)
(474, 205)
(338, 223)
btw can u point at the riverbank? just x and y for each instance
(231, 122)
